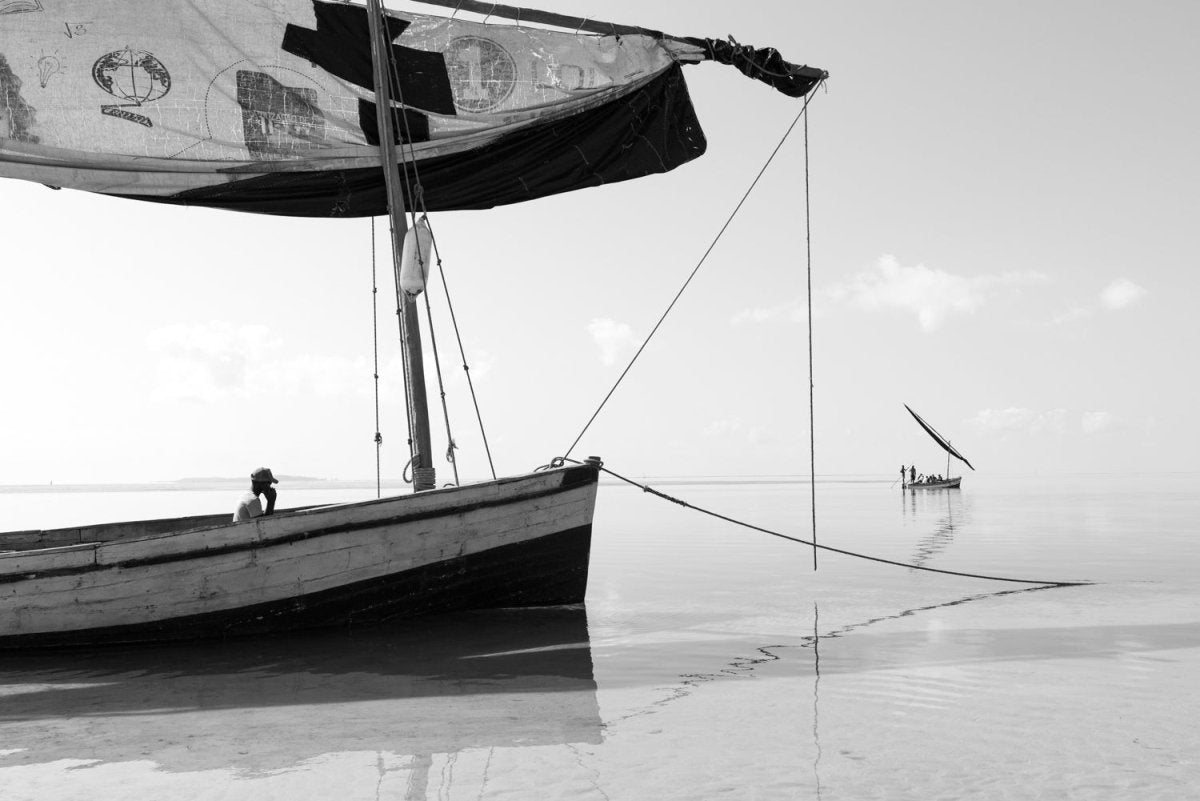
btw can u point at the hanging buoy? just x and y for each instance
(414, 261)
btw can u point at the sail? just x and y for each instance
(938, 438)
(266, 105)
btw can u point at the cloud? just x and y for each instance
(1028, 421)
(722, 428)
(932, 295)
(1121, 294)
(795, 311)
(207, 361)
(1054, 421)
(216, 361)
(733, 429)
(1073, 314)
(321, 375)
(1093, 422)
(612, 338)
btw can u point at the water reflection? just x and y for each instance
(498, 678)
(816, 646)
(946, 509)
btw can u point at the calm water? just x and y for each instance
(708, 662)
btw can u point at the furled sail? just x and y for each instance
(938, 438)
(267, 106)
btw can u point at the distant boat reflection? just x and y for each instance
(496, 678)
(948, 511)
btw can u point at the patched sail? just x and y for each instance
(267, 106)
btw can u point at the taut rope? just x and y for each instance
(648, 489)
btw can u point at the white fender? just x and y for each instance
(414, 260)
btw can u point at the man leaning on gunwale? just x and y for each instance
(250, 507)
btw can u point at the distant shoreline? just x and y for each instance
(313, 483)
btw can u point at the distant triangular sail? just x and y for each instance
(938, 438)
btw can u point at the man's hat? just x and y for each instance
(263, 474)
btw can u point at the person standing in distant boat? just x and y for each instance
(902, 472)
(912, 474)
(250, 507)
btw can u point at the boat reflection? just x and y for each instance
(495, 678)
(946, 511)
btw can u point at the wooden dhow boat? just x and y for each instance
(333, 109)
(949, 482)
(520, 541)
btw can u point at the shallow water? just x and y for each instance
(708, 661)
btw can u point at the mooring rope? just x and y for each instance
(687, 505)
(812, 415)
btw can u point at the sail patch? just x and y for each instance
(278, 119)
(16, 115)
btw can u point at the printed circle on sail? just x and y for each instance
(134, 76)
(482, 73)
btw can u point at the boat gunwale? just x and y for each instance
(271, 540)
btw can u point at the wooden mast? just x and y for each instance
(424, 476)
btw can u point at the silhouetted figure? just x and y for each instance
(912, 474)
(250, 507)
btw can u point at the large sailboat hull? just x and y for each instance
(522, 541)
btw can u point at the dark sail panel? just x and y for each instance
(938, 438)
(268, 106)
(652, 130)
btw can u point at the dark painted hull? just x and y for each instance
(516, 542)
(952, 483)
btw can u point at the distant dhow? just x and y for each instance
(948, 482)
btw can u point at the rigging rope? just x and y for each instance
(416, 197)
(437, 364)
(462, 353)
(375, 343)
(648, 489)
(695, 270)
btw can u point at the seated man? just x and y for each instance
(250, 506)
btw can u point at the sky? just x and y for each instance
(1002, 204)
